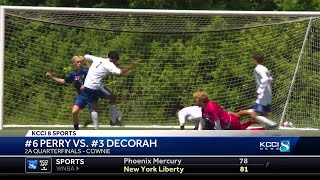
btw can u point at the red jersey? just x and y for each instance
(214, 112)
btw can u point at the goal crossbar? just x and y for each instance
(165, 12)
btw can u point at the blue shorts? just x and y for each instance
(94, 95)
(81, 101)
(261, 108)
(104, 93)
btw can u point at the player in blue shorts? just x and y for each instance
(99, 69)
(261, 110)
(76, 77)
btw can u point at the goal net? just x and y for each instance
(180, 51)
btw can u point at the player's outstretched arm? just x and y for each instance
(59, 80)
(129, 66)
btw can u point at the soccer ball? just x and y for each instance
(288, 124)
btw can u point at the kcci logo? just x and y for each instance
(282, 146)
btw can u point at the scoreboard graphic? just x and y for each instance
(157, 152)
(180, 165)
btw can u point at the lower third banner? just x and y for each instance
(78, 146)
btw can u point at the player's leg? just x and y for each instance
(244, 113)
(254, 113)
(106, 93)
(115, 114)
(75, 119)
(257, 128)
(95, 115)
(245, 125)
(113, 109)
(120, 117)
(240, 114)
(234, 123)
(79, 103)
(260, 109)
(92, 97)
(88, 121)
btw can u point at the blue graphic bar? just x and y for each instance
(159, 146)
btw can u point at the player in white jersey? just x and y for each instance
(99, 69)
(263, 85)
(191, 113)
(263, 91)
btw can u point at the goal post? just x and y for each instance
(181, 51)
(295, 72)
(2, 44)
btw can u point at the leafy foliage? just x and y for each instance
(173, 66)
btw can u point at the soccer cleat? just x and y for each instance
(272, 127)
(118, 119)
(112, 123)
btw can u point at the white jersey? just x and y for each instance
(264, 88)
(99, 68)
(191, 113)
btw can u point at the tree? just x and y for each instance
(298, 5)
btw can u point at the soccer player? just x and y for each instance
(194, 114)
(76, 77)
(219, 118)
(100, 68)
(261, 110)
(191, 113)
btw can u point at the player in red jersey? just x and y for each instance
(220, 118)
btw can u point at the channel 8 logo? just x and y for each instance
(285, 146)
(282, 146)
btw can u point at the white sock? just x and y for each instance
(264, 120)
(95, 119)
(113, 112)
